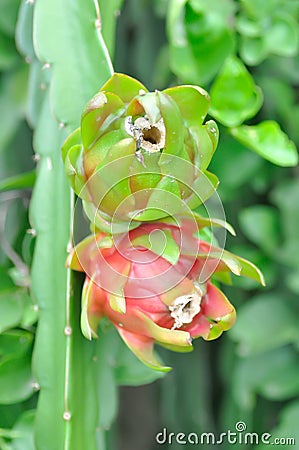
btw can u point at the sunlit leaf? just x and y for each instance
(234, 95)
(269, 141)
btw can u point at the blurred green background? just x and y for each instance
(245, 53)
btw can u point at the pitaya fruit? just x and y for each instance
(155, 284)
(141, 156)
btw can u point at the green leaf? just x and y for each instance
(23, 181)
(260, 224)
(285, 196)
(12, 101)
(15, 343)
(11, 308)
(5, 279)
(287, 430)
(279, 96)
(283, 37)
(259, 9)
(273, 375)
(16, 381)
(266, 265)
(234, 96)
(182, 60)
(269, 141)
(24, 428)
(210, 38)
(227, 163)
(30, 313)
(247, 26)
(253, 50)
(265, 323)
(183, 63)
(8, 20)
(292, 280)
(8, 54)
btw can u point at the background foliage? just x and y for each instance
(245, 53)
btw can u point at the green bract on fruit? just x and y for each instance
(141, 156)
(157, 290)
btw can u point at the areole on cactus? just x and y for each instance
(141, 156)
(157, 295)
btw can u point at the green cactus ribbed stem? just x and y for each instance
(50, 216)
(72, 67)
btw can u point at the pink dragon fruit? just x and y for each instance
(156, 285)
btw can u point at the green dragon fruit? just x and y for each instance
(141, 156)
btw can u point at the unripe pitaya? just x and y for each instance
(141, 156)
